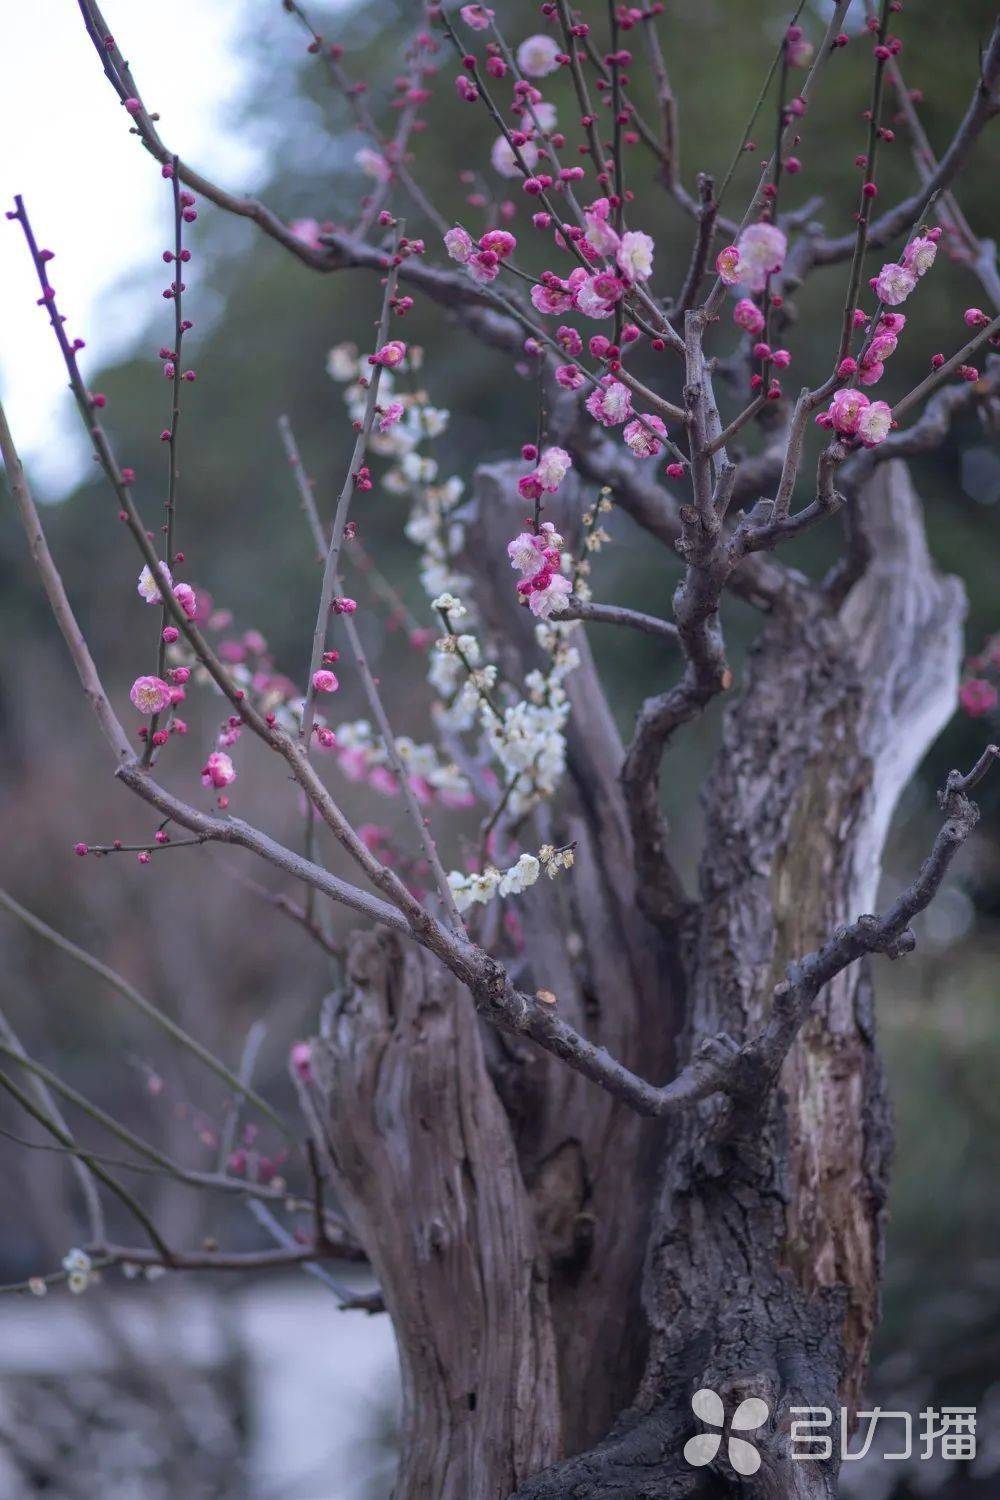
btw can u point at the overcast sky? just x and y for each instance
(94, 195)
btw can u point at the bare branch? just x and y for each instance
(59, 599)
(983, 107)
(616, 614)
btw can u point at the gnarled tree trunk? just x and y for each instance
(760, 1223)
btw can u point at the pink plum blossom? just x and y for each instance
(476, 17)
(536, 56)
(308, 231)
(894, 283)
(550, 597)
(590, 302)
(458, 243)
(187, 599)
(300, 1055)
(218, 770)
(484, 265)
(324, 681)
(524, 553)
(150, 695)
(762, 248)
(845, 411)
(552, 297)
(553, 466)
(919, 254)
(392, 414)
(610, 403)
(727, 264)
(600, 234)
(978, 697)
(641, 440)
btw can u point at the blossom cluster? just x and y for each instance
(481, 886)
(521, 732)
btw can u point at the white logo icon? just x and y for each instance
(748, 1416)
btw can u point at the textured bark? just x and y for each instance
(422, 1158)
(763, 1266)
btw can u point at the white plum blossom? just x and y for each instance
(874, 423)
(635, 255)
(148, 587)
(342, 363)
(536, 56)
(543, 114)
(520, 876)
(79, 1270)
(505, 162)
(373, 164)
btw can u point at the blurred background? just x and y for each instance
(219, 1385)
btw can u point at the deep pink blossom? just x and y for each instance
(570, 377)
(748, 316)
(218, 770)
(845, 410)
(187, 599)
(500, 241)
(391, 354)
(978, 697)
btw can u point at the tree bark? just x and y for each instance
(422, 1159)
(763, 1268)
